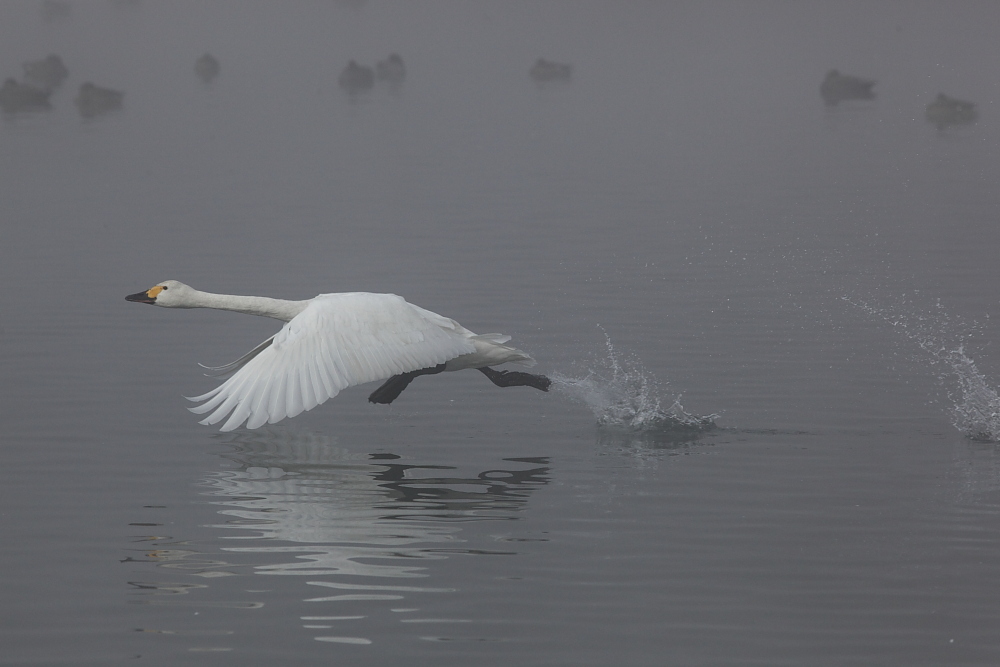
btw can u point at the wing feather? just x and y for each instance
(319, 391)
(259, 402)
(253, 403)
(224, 400)
(233, 366)
(293, 396)
(337, 341)
(239, 416)
(277, 410)
(328, 372)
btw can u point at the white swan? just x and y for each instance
(334, 341)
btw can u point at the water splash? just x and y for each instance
(624, 397)
(975, 409)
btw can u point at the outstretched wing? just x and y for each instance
(339, 340)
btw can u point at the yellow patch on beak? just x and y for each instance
(153, 291)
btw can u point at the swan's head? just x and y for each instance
(169, 293)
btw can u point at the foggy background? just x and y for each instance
(687, 195)
(691, 135)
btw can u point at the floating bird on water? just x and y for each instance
(391, 69)
(546, 70)
(93, 100)
(47, 73)
(945, 111)
(207, 67)
(16, 97)
(837, 87)
(356, 78)
(334, 341)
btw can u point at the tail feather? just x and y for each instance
(499, 353)
(493, 337)
(526, 361)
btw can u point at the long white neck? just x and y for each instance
(279, 309)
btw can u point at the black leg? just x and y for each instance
(395, 385)
(516, 379)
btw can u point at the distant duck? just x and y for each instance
(94, 100)
(47, 73)
(16, 97)
(391, 69)
(207, 68)
(945, 111)
(546, 70)
(837, 87)
(356, 78)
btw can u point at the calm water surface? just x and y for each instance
(682, 234)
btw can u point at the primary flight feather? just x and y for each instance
(334, 341)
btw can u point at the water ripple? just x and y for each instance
(298, 505)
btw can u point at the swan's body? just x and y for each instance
(334, 341)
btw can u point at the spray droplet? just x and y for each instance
(622, 394)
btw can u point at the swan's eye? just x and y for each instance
(165, 287)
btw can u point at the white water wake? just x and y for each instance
(624, 396)
(975, 409)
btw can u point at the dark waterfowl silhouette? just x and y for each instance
(207, 68)
(391, 70)
(837, 87)
(945, 111)
(47, 73)
(94, 100)
(16, 97)
(546, 70)
(356, 78)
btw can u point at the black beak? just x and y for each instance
(141, 297)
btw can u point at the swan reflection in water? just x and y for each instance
(302, 490)
(363, 528)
